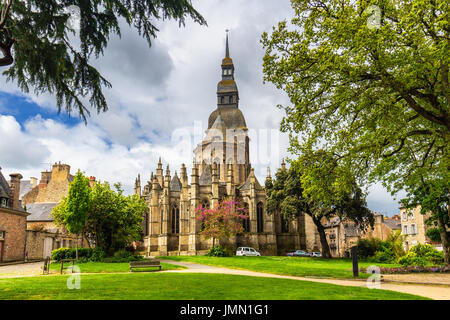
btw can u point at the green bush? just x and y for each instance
(422, 255)
(368, 247)
(218, 251)
(122, 254)
(385, 256)
(421, 250)
(97, 255)
(435, 257)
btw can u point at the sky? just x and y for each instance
(159, 103)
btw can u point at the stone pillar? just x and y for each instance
(195, 201)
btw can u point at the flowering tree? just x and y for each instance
(222, 221)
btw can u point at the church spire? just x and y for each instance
(227, 92)
(227, 49)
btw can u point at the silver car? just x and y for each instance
(247, 251)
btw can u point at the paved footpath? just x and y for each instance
(429, 291)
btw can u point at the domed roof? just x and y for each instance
(227, 86)
(231, 116)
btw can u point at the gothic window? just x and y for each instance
(146, 221)
(217, 161)
(284, 224)
(162, 216)
(231, 99)
(205, 204)
(222, 100)
(175, 219)
(246, 222)
(259, 217)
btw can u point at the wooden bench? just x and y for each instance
(145, 264)
(64, 261)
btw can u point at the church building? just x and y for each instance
(221, 170)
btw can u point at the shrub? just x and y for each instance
(97, 255)
(122, 254)
(384, 256)
(217, 251)
(421, 250)
(435, 257)
(368, 247)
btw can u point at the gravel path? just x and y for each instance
(429, 291)
(21, 270)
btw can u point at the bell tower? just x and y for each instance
(227, 92)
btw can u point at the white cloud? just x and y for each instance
(156, 93)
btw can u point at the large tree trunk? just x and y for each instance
(76, 248)
(323, 239)
(444, 240)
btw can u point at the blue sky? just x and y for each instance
(158, 95)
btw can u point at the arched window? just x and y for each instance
(217, 161)
(222, 100)
(205, 204)
(162, 217)
(175, 219)
(246, 222)
(231, 99)
(260, 217)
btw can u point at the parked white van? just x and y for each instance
(246, 251)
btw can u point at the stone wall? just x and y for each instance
(13, 224)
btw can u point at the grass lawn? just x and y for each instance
(293, 266)
(172, 286)
(103, 267)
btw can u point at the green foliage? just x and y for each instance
(373, 95)
(368, 247)
(217, 251)
(315, 185)
(433, 234)
(50, 56)
(112, 219)
(77, 203)
(84, 254)
(422, 255)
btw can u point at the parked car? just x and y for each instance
(298, 253)
(247, 251)
(316, 254)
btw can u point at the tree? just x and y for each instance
(114, 219)
(222, 221)
(368, 82)
(313, 186)
(35, 43)
(72, 212)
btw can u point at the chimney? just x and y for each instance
(15, 190)
(33, 181)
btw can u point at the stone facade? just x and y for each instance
(413, 227)
(221, 170)
(12, 234)
(383, 227)
(341, 236)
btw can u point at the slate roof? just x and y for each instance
(175, 184)
(231, 116)
(246, 184)
(4, 187)
(393, 224)
(40, 211)
(206, 177)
